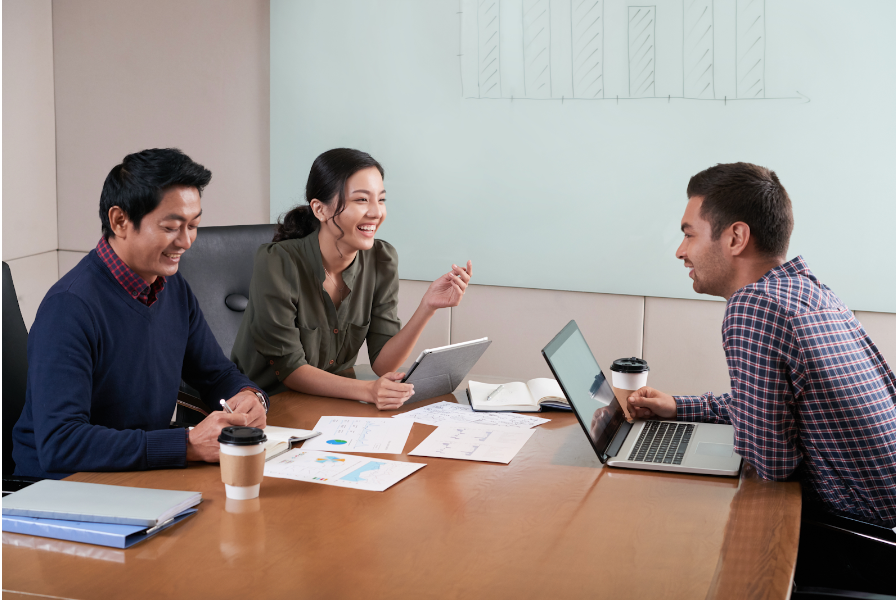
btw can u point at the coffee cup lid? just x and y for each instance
(242, 436)
(629, 365)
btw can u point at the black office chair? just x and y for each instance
(839, 554)
(15, 368)
(218, 268)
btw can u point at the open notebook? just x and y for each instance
(281, 439)
(530, 396)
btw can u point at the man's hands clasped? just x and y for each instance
(202, 440)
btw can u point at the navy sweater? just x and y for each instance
(103, 375)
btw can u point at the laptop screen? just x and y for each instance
(585, 386)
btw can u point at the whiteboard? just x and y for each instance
(551, 141)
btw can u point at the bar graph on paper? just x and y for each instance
(558, 50)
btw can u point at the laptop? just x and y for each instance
(702, 448)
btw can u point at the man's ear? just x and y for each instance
(318, 208)
(739, 238)
(119, 222)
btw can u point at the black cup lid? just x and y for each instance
(242, 436)
(629, 365)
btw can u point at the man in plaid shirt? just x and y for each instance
(811, 396)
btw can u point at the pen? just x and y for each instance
(495, 393)
(151, 530)
(226, 407)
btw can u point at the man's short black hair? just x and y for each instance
(137, 185)
(750, 194)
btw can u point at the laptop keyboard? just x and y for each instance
(662, 442)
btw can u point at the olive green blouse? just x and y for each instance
(291, 321)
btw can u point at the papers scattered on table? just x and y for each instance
(343, 470)
(356, 434)
(474, 442)
(442, 413)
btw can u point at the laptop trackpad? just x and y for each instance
(711, 449)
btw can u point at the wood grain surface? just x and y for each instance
(551, 524)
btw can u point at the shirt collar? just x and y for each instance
(792, 267)
(351, 271)
(133, 284)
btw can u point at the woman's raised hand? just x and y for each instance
(447, 290)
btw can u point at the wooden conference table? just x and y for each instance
(551, 524)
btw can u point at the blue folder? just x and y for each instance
(101, 534)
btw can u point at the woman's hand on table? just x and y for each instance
(448, 290)
(388, 393)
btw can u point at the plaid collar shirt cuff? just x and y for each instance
(133, 284)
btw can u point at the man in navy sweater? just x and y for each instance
(113, 338)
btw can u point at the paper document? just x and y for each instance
(442, 413)
(343, 470)
(357, 434)
(474, 442)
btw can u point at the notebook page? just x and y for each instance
(545, 387)
(512, 394)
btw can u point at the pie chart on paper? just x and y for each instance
(337, 442)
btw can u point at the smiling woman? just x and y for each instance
(325, 285)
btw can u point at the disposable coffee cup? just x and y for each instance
(242, 461)
(629, 374)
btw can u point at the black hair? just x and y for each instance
(137, 185)
(326, 182)
(748, 193)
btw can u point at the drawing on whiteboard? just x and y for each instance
(556, 50)
(750, 67)
(537, 48)
(641, 51)
(489, 53)
(587, 49)
(698, 50)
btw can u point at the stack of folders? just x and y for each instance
(107, 515)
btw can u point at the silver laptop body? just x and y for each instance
(703, 448)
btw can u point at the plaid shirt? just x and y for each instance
(132, 283)
(811, 395)
(144, 292)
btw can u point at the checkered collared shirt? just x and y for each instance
(811, 395)
(133, 284)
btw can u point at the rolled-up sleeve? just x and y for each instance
(707, 408)
(275, 293)
(384, 321)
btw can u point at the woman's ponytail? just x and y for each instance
(297, 223)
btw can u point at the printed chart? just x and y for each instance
(342, 470)
(356, 434)
(474, 442)
(443, 413)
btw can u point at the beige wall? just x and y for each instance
(29, 151)
(132, 74)
(681, 340)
